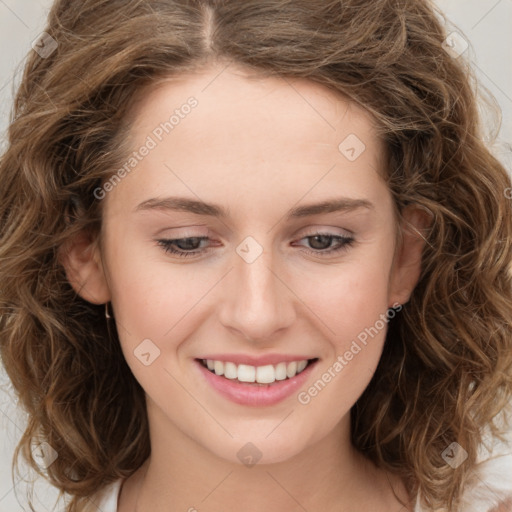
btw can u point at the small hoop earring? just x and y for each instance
(107, 316)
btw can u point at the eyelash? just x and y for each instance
(346, 242)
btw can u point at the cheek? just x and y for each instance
(353, 308)
(158, 301)
(349, 297)
(142, 297)
(148, 307)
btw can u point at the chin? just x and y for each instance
(259, 451)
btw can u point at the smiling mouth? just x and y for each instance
(257, 375)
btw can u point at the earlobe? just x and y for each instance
(406, 269)
(81, 260)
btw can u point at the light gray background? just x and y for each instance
(486, 24)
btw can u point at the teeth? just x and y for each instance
(265, 374)
(218, 366)
(281, 371)
(230, 371)
(291, 369)
(260, 374)
(246, 373)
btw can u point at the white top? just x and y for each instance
(108, 500)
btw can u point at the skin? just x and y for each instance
(257, 146)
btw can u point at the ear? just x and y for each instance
(81, 260)
(406, 268)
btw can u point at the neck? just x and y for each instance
(193, 479)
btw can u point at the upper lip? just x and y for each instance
(256, 360)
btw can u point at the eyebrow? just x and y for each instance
(342, 204)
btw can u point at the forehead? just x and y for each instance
(249, 133)
(235, 97)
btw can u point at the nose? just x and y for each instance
(257, 302)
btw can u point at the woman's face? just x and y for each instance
(277, 279)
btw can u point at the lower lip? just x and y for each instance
(252, 394)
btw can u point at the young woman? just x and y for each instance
(256, 255)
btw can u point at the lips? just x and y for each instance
(251, 392)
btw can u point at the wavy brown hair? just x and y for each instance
(446, 369)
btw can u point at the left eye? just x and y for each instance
(186, 247)
(322, 239)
